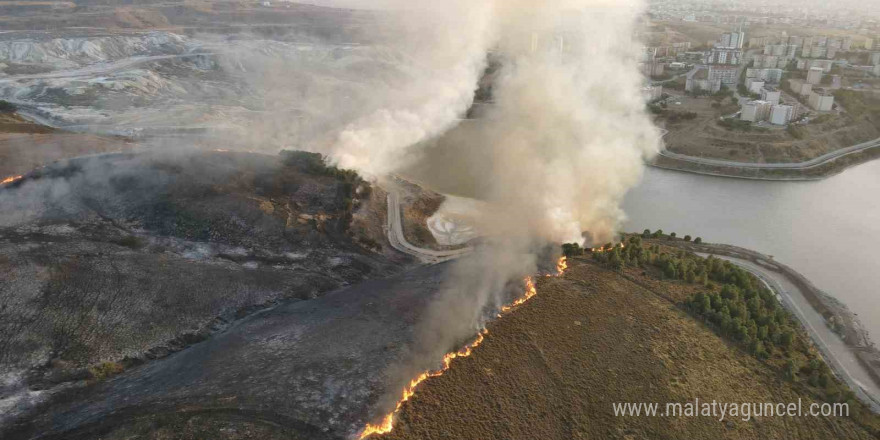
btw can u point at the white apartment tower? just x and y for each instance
(814, 76)
(770, 95)
(755, 111)
(781, 114)
(821, 100)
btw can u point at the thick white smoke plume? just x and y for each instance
(563, 141)
(446, 44)
(567, 134)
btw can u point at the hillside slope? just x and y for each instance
(554, 367)
(113, 260)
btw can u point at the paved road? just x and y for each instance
(825, 158)
(840, 357)
(394, 231)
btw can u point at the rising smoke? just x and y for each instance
(567, 134)
(554, 155)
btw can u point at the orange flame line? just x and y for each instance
(10, 179)
(387, 423)
(602, 249)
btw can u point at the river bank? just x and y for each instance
(816, 169)
(836, 316)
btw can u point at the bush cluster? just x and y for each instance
(351, 185)
(7, 107)
(748, 315)
(743, 310)
(735, 124)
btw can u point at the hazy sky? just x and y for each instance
(353, 4)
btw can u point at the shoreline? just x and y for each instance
(788, 172)
(849, 329)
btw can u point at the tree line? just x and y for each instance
(735, 304)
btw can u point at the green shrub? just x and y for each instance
(795, 131)
(735, 124)
(105, 370)
(130, 241)
(7, 107)
(572, 249)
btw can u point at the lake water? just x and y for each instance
(827, 230)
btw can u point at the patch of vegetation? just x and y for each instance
(351, 188)
(859, 104)
(61, 97)
(795, 131)
(678, 84)
(105, 370)
(7, 107)
(736, 124)
(737, 306)
(176, 220)
(130, 241)
(369, 243)
(821, 119)
(674, 117)
(744, 91)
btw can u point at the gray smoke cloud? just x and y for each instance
(564, 140)
(567, 134)
(553, 156)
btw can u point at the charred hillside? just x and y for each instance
(112, 260)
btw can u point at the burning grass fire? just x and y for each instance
(387, 423)
(10, 179)
(607, 248)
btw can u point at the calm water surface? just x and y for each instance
(828, 230)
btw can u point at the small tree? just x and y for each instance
(786, 338)
(672, 236)
(646, 233)
(658, 233)
(7, 107)
(791, 370)
(572, 249)
(687, 238)
(698, 240)
(615, 261)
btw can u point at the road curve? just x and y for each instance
(394, 231)
(838, 355)
(812, 163)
